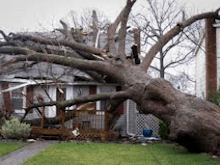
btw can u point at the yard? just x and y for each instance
(7, 147)
(123, 154)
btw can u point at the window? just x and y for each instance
(79, 91)
(17, 100)
(103, 103)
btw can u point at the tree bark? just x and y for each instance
(194, 123)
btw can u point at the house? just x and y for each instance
(208, 61)
(34, 82)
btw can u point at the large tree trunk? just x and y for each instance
(194, 123)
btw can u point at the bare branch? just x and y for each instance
(180, 60)
(65, 31)
(170, 34)
(217, 11)
(71, 44)
(5, 36)
(155, 68)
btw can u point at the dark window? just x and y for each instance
(105, 89)
(17, 99)
(104, 103)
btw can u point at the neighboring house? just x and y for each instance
(208, 61)
(43, 81)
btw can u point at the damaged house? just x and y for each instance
(31, 82)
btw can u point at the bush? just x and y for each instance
(14, 129)
(216, 97)
(164, 130)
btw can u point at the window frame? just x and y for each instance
(23, 94)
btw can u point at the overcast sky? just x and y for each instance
(16, 15)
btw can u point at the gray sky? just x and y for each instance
(33, 15)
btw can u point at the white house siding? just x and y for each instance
(69, 95)
(50, 111)
(218, 52)
(38, 91)
(71, 92)
(127, 124)
(201, 72)
(131, 108)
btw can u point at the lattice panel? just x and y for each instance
(146, 122)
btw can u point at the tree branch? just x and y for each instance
(112, 28)
(122, 31)
(65, 31)
(155, 68)
(79, 100)
(170, 34)
(71, 44)
(98, 66)
(15, 50)
(180, 60)
(5, 36)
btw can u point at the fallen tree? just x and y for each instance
(194, 123)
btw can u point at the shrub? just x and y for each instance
(216, 97)
(164, 129)
(14, 129)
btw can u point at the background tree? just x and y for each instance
(194, 123)
(157, 18)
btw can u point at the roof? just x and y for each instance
(50, 71)
(41, 70)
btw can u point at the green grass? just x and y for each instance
(123, 154)
(7, 147)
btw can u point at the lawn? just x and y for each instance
(7, 147)
(123, 154)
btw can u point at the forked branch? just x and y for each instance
(122, 18)
(172, 33)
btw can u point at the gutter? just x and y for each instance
(27, 82)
